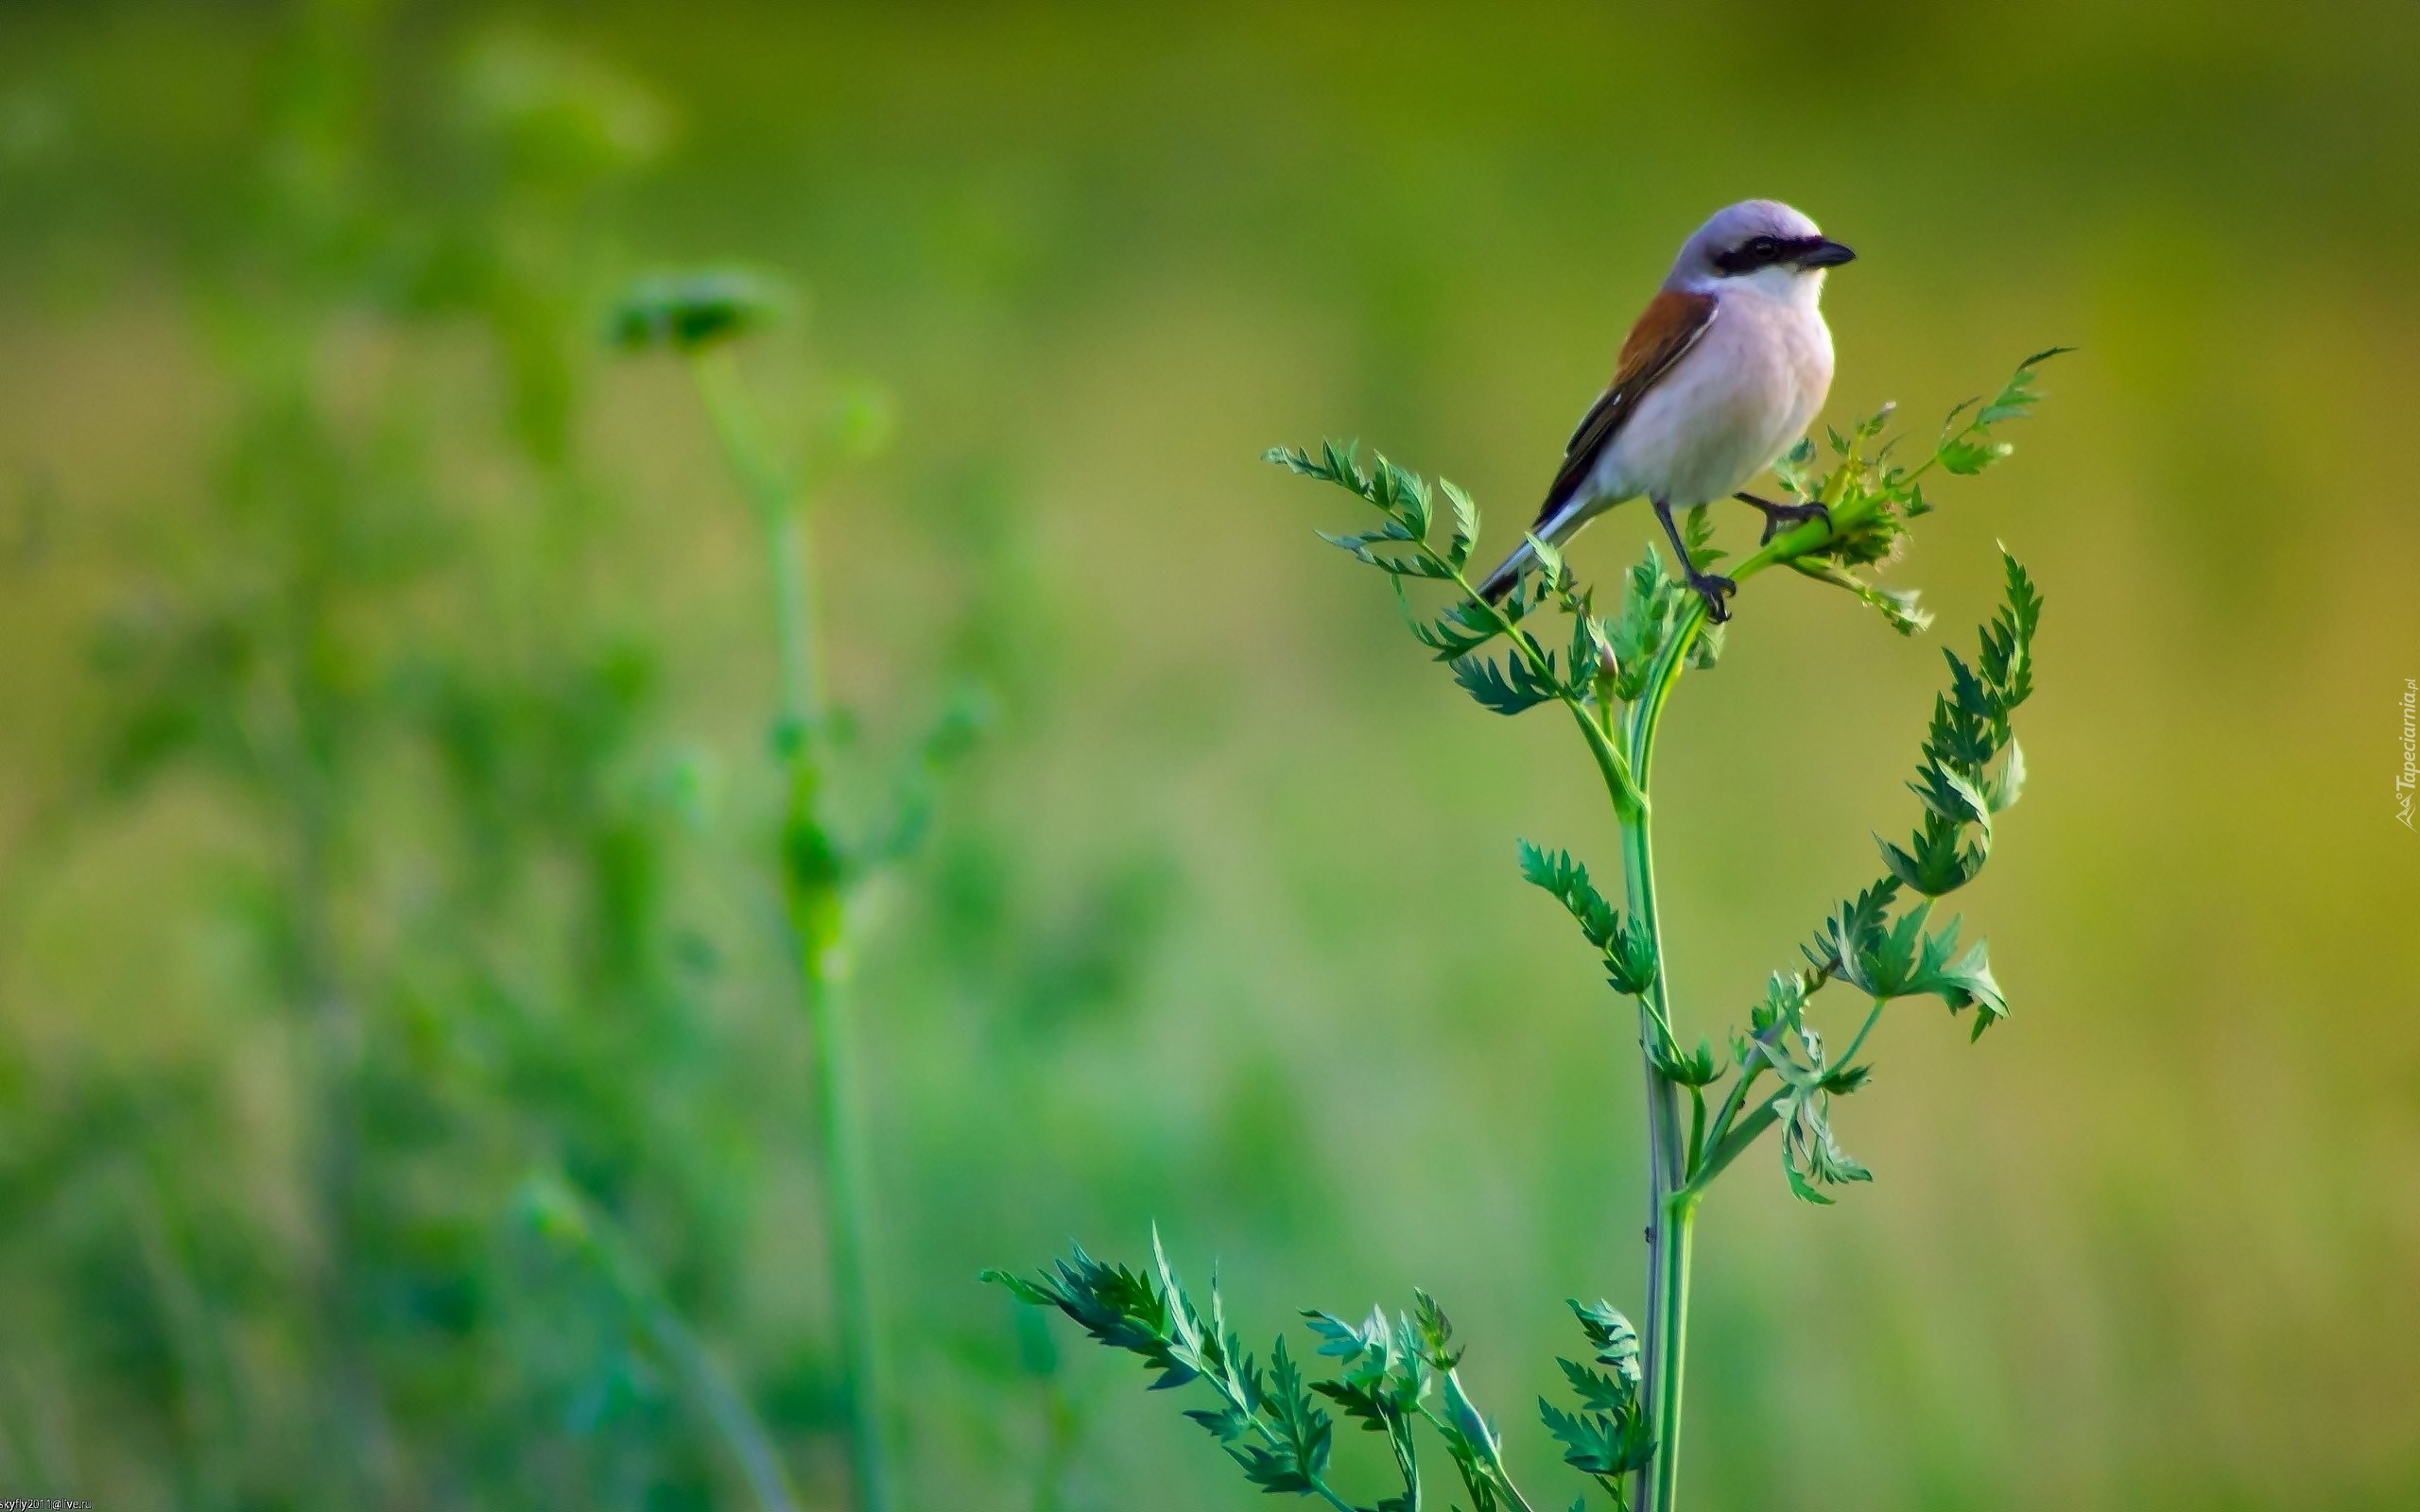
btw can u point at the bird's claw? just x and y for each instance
(1781, 517)
(1714, 588)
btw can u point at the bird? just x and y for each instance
(1726, 369)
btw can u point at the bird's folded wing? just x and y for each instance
(1672, 322)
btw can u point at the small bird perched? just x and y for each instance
(1721, 375)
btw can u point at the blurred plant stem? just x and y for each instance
(813, 894)
(587, 1235)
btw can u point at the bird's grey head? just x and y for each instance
(1762, 240)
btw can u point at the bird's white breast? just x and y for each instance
(1742, 396)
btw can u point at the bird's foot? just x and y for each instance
(1714, 589)
(1780, 517)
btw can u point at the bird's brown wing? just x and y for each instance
(1672, 322)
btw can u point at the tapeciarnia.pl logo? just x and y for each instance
(2409, 775)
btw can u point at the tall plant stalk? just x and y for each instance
(1615, 674)
(814, 900)
(695, 316)
(1678, 1177)
(1668, 1224)
(1672, 1204)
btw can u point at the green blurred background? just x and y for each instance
(383, 815)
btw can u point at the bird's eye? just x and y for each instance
(1764, 246)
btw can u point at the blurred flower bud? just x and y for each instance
(686, 311)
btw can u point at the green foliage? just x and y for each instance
(1652, 611)
(1971, 768)
(1630, 954)
(1611, 1436)
(1402, 546)
(452, 1202)
(1475, 1450)
(388, 693)
(1117, 1307)
(1613, 674)
(1513, 688)
(1811, 1158)
(1394, 1375)
(1887, 960)
(1267, 1421)
(1872, 497)
(1608, 661)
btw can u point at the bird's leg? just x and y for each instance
(1780, 517)
(1712, 589)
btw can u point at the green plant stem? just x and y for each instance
(813, 892)
(1733, 1145)
(1697, 1130)
(1677, 1173)
(1672, 1328)
(1703, 1170)
(1678, 1179)
(1849, 1056)
(1327, 1493)
(1678, 1170)
(1667, 1228)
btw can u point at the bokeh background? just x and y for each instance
(383, 810)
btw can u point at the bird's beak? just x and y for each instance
(1826, 255)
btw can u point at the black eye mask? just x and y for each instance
(1764, 252)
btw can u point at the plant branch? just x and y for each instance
(1734, 1144)
(1848, 1056)
(1729, 1110)
(1503, 1476)
(1623, 782)
(814, 897)
(1269, 1435)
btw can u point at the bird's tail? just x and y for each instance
(1501, 582)
(1558, 524)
